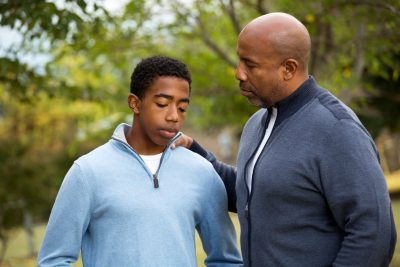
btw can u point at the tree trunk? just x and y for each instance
(28, 225)
(3, 247)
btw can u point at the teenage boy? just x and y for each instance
(135, 202)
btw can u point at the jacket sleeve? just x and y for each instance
(226, 172)
(356, 193)
(68, 222)
(215, 229)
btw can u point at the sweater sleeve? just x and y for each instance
(357, 195)
(68, 222)
(226, 172)
(216, 230)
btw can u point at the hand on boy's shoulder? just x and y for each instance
(184, 140)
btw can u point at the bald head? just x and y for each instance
(273, 53)
(280, 34)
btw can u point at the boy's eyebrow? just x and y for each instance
(169, 97)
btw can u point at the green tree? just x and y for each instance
(380, 107)
(38, 128)
(346, 36)
(49, 117)
(43, 26)
(38, 143)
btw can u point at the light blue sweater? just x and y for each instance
(109, 209)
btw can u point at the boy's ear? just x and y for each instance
(134, 103)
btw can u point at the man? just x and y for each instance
(127, 203)
(308, 189)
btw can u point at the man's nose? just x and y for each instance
(239, 73)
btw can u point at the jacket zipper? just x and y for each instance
(250, 194)
(155, 175)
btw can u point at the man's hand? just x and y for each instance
(184, 140)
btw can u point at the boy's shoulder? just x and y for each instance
(99, 154)
(196, 166)
(190, 158)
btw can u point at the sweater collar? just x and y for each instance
(122, 130)
(294, 102)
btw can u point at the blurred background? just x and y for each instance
(65, 69)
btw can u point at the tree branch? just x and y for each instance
(230, 10)
(372, 4)
(212, 45)
(360, 58)
(258, 6)
(261, 7)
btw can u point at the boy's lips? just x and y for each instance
(168, 133)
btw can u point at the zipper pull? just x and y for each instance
(155, 180)
(246, 211)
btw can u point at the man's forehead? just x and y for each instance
(249, 45)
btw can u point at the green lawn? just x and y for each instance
(17, 250)
(16, 255)
(396, 211)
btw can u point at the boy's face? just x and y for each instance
(159, 114)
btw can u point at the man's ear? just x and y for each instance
(290, 67)
(134, 103)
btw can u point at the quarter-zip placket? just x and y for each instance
(154, 176)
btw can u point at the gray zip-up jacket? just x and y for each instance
(319, 197)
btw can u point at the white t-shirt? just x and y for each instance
(152, 161)
(250, 168)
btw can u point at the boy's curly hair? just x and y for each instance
(147, 70)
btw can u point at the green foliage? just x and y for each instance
(38, 142)
(39, 18)
(215, 98)
(29, 150)
(48, 118)
(43, 26)
(209, 49)
(346, 36)
(381, 106)
(18, 78)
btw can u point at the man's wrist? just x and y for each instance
(197, 148)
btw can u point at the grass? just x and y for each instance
(17, 250)
(393, 182)
(396, 214)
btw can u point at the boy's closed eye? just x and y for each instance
(161, 105)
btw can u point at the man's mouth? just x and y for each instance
(245, 92)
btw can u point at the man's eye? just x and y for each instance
(183, 110)
(250, 65)
(161, 105)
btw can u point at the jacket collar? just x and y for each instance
(288, 106)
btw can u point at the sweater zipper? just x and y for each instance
(250, 194)
(155, 175)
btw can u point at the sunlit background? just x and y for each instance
(65, 70)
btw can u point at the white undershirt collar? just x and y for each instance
(268, 131)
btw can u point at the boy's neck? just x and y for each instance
(135, 140)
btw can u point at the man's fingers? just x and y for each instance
(184, 140)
